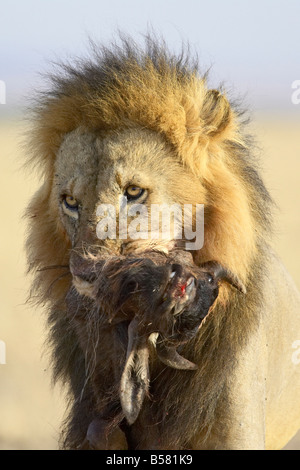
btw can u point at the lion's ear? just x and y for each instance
(216, 114)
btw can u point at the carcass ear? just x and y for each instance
(135, 378)
(216, 113)
(169, 356)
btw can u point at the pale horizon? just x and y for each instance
(250, 47)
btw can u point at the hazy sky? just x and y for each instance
(253, 46)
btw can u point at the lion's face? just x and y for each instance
(135, 166)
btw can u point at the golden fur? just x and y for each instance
(122, 91)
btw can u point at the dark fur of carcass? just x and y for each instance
(140, 308)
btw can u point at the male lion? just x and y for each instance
(126, 314)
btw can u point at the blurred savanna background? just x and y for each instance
(251, 48)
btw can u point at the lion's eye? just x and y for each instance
(70, 206)
(134, 192)
(71, 202)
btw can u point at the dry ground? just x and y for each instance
(30, 410)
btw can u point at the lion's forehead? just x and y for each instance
(77, 157)
(137, 156)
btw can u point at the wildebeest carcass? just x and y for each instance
(153, 304)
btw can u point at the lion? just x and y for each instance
(141, 123)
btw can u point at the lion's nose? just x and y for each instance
(84, 275)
